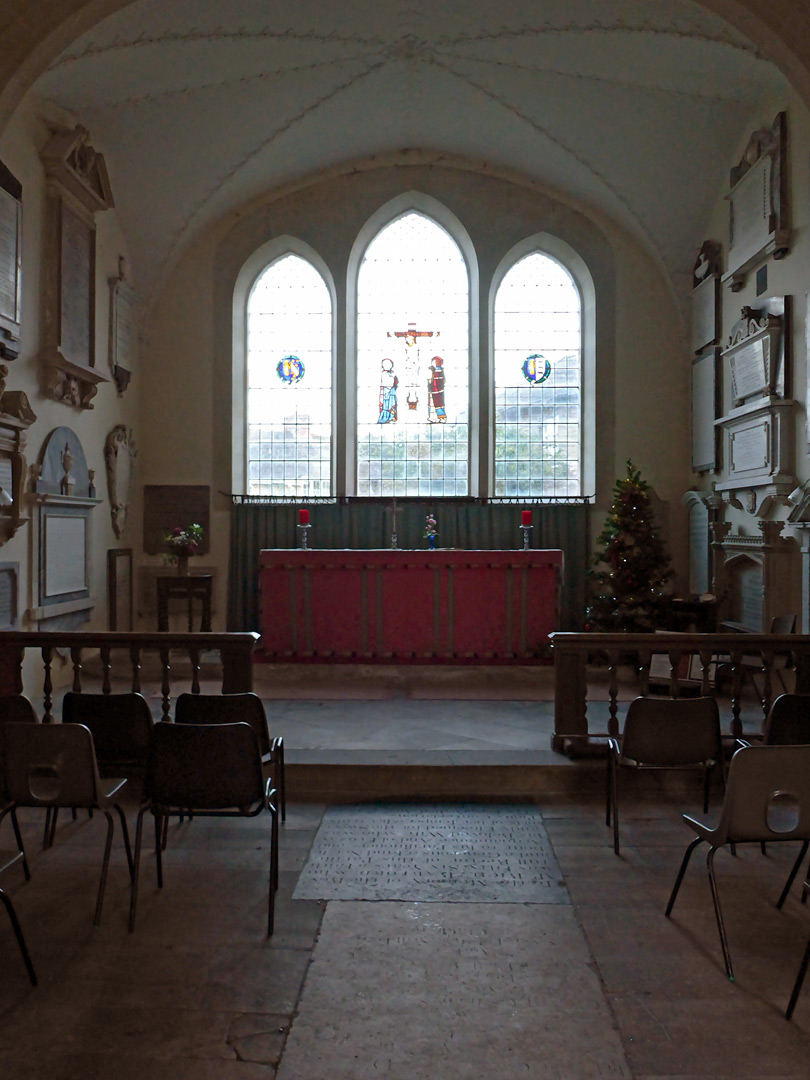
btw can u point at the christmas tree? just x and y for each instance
(632, 568)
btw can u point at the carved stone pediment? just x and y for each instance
(752, 353)
(759, 214)
(78, 168)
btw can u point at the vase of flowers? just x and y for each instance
(430, 531)
(181, 543)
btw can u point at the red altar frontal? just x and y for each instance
(393, 606)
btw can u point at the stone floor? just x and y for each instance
(602, 985)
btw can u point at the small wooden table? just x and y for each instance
(191, 587)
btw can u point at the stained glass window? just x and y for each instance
(538, 383)
(413, 362)
(289, 347)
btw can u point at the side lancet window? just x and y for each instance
(289, 395)
(538, 381)
(413, 362)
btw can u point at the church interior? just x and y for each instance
(178, 179)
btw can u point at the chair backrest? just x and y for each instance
(788, 721)
(120, 724)
(670, 732)
(49, 765)
(14, 709)
(767, 795)
(17, 709)
(204, 766)
(783, 624)
(224, 709)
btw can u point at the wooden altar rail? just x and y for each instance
(573, 653)
(235, 651)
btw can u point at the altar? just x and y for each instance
(397, 606)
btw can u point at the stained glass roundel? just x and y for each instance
(536, 369)
(290, 370)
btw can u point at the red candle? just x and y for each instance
(303, 517)
(527, 517)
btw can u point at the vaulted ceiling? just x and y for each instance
(634, 108)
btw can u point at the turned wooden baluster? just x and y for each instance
(613, 693)
(47, 685)
(135, 660)
(674, 664)
(767, 686)
(705, 668)
(76, 657)
(165, 686)
(737, 676)
(106, 669)
(644, 661)
(194, 655)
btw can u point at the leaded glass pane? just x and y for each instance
(537, 392)
(413, 362)
(290, 382)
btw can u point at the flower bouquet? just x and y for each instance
(182, 543)
(430, 531)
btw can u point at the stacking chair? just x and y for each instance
(664, 733)
(234, 709)
(788, 721)
(17, 709)
(214, 770)
(767, 799)
(54, 765)
(120, 725)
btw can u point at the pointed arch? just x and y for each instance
(543, 346)
(412, 284)
(283, 419)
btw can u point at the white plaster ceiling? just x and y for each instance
(633, 108)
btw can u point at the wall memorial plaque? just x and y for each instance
(77, 248)
(10, 263)
(749, 447)
(706, 297)
(123, 330)
(759, 219)
(704, 411)
(78, 187)
(9, 595)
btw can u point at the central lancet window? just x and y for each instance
(413, 363)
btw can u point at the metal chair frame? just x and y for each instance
(233, 709)
(212, 770)
(668, 734)
(758, 776)
(54, 765)
(5, 899)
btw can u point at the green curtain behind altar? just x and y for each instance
(368, 524)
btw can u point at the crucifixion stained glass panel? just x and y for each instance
(413, 362)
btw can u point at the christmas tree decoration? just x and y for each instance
(632, 569)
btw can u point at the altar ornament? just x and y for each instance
(430, 531)
(303, 528)
(394, 537)
(526, 526)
